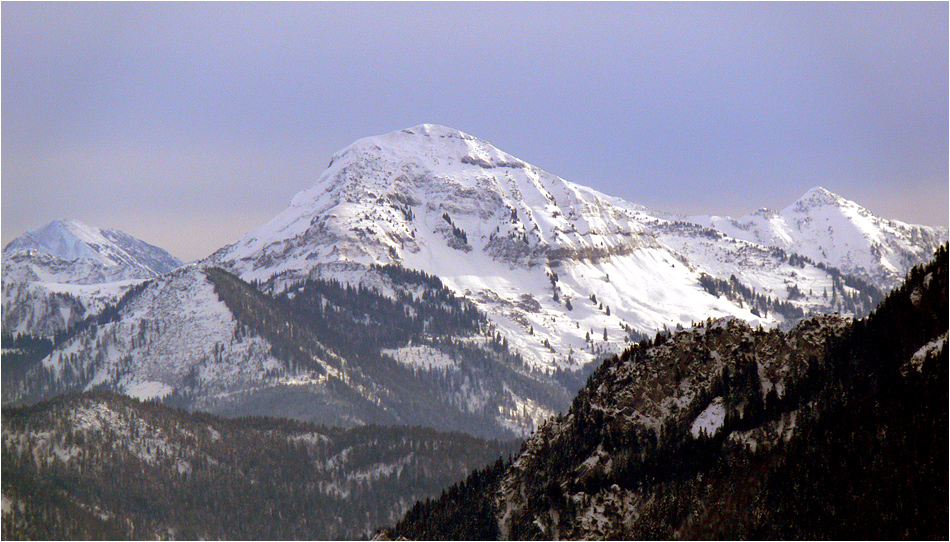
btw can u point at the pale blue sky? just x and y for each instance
(188, 124)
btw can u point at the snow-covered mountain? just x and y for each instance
(830, 229)
(70, 252)
(60, 273)
(565, 272)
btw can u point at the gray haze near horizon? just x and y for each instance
(189, 124)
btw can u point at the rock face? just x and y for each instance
(58, 274)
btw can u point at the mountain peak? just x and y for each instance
(428, 143)
(71, 240)
(821, 196)
(67, 239)
(437, 130)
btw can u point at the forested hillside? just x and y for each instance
(430, 357)
(834, 430)
(405, 350)
(104, 466)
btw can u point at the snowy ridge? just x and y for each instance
(835, 231)
(180, 339)
(175, 334)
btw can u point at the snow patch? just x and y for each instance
(149, 389)
(917, 360)
(710, 420)
(423, 357)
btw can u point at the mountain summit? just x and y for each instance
(115, 255)
(395, 198)
(564, 272)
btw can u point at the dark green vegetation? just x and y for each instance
(854, 447)
(20, 352)
(465, 511)
(103, 466)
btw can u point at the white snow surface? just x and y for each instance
(421, 356)
(916, 361)
(148, 390)
(710, 420)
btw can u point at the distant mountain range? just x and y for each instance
(426, 272)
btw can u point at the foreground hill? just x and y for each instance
(103, 466)
(836, 429)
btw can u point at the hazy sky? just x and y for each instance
(189, 124)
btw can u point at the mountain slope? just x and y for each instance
(837, 232)
(58, 274)
(834, 430)
(96, 466)
(155, 339)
